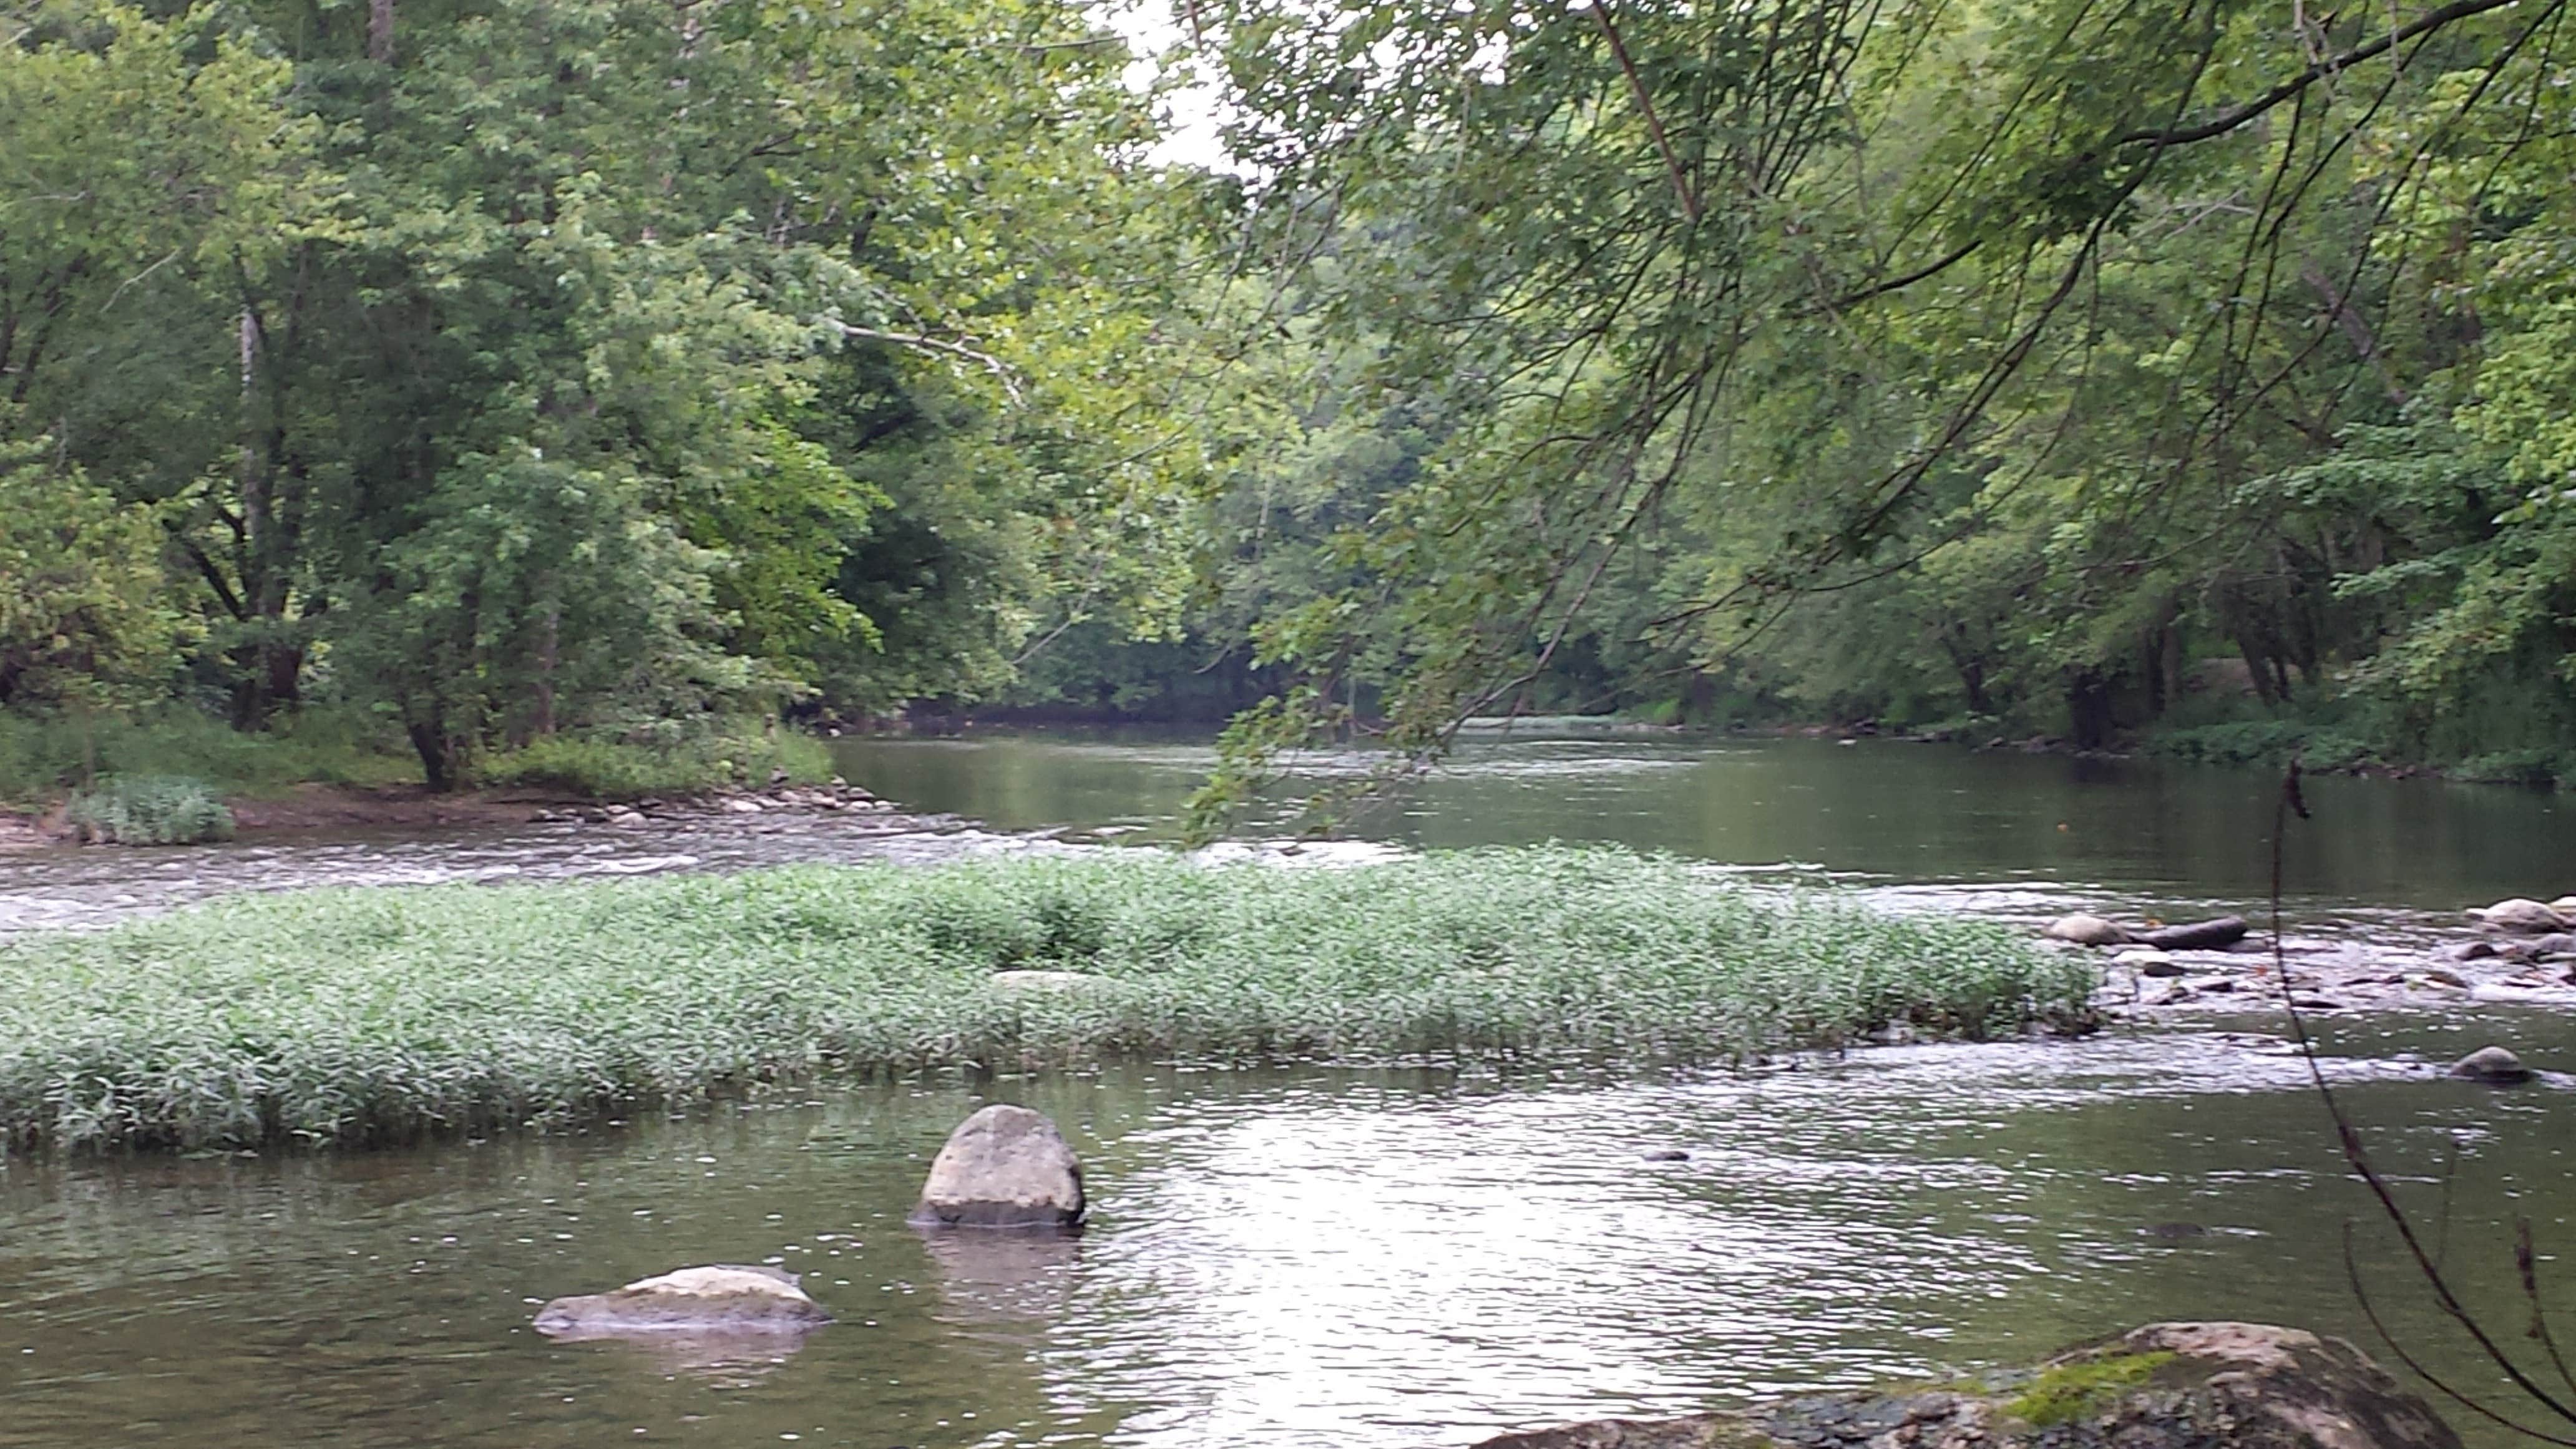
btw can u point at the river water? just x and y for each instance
(1306, 1256)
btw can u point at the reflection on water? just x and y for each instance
(1310, 1257)
(2051, 827)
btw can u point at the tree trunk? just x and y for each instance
(548, 638)
(442, 756)
(2088, 709)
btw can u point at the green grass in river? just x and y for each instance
(378, 1015)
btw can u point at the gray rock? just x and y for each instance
(723, 1298)
(2493, 1065)
(2525, 917)
(2470, 951)
(2164, 1386)
(2086, 930)
(1004, 1167)
(2148, 962)
(2198, 935)
(2444, 976)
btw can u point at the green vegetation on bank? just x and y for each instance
(150, 810)
(373, 1016)
(77, 755)
(741, 754)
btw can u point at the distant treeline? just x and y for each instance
(488, 370)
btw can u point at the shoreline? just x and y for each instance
(315, 807)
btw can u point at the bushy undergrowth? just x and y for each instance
(382, 1015)
(2269, 743)
(610, 769)
(151, 810)
(40, 756)
(2542, 769)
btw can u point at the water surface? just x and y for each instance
(1278, 1258)
(1363, 1258)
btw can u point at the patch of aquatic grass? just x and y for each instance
(150, 810)
(377, 1015)
(612, 769)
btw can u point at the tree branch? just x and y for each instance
(941, 346)
(2229, 120)
(1645, 106)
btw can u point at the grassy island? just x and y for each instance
(364, 1016)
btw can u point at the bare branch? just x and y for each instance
(941, 346)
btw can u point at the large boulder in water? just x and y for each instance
(2085, 930)
(721, 1299)
(2493, 1065)
(2164, 1386)
(1004, 1167)
(2524, 917)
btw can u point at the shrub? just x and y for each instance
(151, 810)
(2269, 743)
(609, 769)
(2539, 769)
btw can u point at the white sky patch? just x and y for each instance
(1193, 112)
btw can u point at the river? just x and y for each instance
(1371, 1258)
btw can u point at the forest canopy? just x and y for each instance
(500, 368)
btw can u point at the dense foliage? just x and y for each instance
(2030, 366)
(375, 1015)
(506, 367)
(500, 369)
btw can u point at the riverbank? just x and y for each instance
(329, 772)
(360, 1017)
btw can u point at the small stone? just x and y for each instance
(2174, 1230)
(722, 1298)
(2493, 1065)
(1004, 1167)
(742, 807)
(2471, 951)
(2445, 976)
(2316, 1003)
(2086, 930)
(1668, 1154)
(2527, 917)
(2148, 963)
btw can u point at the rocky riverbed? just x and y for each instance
(2521, 957)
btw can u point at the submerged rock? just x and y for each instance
(721, 1299)
(2529, 917)
(2198, 935)
(2164, 1386)
(1004, 1167)
(2086, 930)
(2491, 1064)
